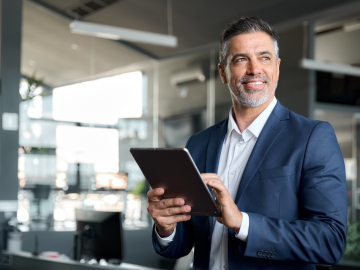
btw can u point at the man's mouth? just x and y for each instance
(253, 83)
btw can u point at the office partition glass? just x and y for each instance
(84, 102)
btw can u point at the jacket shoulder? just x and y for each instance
(306, 123)
(201, 137)
(283, 113)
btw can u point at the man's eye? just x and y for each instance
(241, 60)
(266, 58)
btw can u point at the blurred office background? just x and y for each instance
(76, 97)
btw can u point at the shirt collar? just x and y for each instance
(255, 127)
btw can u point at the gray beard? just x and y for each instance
(247, 100)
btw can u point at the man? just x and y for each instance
(278, 176)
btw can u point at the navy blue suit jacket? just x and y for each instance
(293, 188)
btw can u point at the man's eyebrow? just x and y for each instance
(240, 55)
(247, 54)
(264, 52)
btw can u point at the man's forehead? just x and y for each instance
(260, 41)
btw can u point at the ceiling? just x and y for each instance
(62, 58)
(195, 23)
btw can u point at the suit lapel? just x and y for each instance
(213, 155)
(273, 127)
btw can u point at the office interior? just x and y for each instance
(74, 101)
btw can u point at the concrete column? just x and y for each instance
(10, 53)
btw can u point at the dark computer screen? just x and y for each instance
(100, 235)
(41, 191)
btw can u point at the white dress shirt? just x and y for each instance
(235, 153)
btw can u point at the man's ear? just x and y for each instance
(278, 67)
(222, 73)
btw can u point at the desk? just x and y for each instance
(135, 242)
(26, 261)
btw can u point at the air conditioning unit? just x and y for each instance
(191, 75)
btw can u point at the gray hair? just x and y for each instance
(244, 25)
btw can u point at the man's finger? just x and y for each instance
(175, 210)
(167, 221)
(214, 182)
(207, 176)
(153, 194)
(219, 186)
(167, 203)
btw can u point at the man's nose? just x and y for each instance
(253, 68)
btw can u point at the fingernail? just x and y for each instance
(210, 182)
(187, 208)
(180, 201)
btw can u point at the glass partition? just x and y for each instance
(85, 102)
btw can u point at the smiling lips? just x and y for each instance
(252, 84)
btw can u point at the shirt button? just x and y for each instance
(233, 172)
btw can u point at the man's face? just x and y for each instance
(252, 70)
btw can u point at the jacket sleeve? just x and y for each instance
(180, 246)
(319, 236)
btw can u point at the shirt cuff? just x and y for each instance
(244, 228)
(166, 241)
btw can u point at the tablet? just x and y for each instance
(175, 171)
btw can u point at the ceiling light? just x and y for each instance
(351, 26)
(329, 67)
(117, 33)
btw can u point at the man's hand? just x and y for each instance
(165, 213)
(231, 217)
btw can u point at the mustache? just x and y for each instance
(255, 77)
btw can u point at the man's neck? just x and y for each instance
(244, 116)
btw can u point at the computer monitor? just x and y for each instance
(41, 192)
(99, 235)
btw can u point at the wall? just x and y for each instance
(293, 84)
(338, 47)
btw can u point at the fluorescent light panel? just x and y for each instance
(351, 27)
(329, 67)
(101, 101)
(117, 33)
